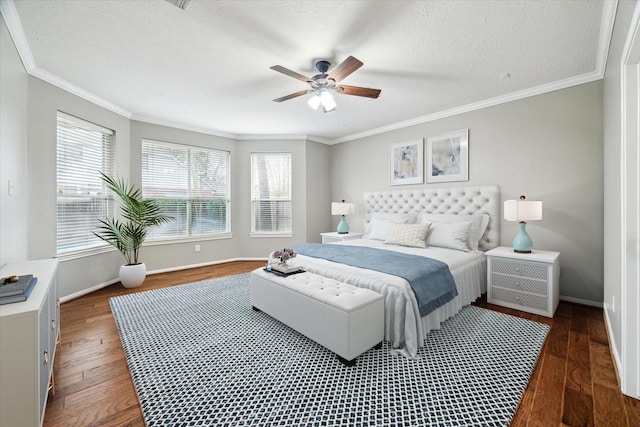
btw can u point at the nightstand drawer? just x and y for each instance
(519, 283)
(520, 268)
(523, 299)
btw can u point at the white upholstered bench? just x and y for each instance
(343, 318)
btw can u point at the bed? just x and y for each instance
(447, 211)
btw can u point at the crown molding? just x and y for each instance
(514, 96)
(78, 91)
(258, 137)
(609, 9)
(11, 18)
(182, 126)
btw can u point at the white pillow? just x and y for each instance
(478, 226)
(379, 229)
(398, 218)
(454, 235)
(412, 235)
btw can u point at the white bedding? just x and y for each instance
(404, 327)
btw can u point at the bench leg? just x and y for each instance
(255, 308)
(378, 346)
(346, 362)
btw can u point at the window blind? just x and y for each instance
(191, 184)
(83, 150)
(271, 193)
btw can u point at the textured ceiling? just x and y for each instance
(207, 67)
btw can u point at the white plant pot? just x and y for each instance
(132, 276)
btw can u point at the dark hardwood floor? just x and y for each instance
(574, 382)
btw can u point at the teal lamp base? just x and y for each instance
(522, 242)
(343, 227)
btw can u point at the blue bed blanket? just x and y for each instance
(430, 279)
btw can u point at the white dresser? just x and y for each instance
(28, 337)
(527, 282)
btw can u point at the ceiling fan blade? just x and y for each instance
(358, 91)
(290, 73)
(347, 67)
(293, 95)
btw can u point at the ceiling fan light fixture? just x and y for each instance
(314, 101)
(323, 84)
(327, 101)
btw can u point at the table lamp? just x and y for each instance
(342, 208)
(522, 210)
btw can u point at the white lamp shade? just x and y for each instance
(523, 210)
(343, 208)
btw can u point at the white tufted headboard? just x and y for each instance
(450, 200)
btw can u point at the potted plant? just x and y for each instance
(127, 235)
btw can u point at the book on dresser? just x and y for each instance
(18, 291)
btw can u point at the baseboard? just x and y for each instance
(87, 291)
(203, 264)
(581, 301)
(612, 344)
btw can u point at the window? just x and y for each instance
(191, 184)
(271, 193)
(83, 150)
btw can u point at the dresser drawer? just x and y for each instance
(520, 268)
(523, 299)
(520, 283)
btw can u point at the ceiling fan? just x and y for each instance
(323, 84)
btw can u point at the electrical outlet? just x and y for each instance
(197, 248)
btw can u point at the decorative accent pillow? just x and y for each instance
(452, 235)
(383, 220)
(478, 226)
(412, 235)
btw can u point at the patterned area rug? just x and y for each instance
(200, 356)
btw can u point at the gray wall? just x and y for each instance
(76, 274)
(547, 147)
(318, 192)
(13, 152)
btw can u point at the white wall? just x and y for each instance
(620, 310)
(13, 152)
(547, 147)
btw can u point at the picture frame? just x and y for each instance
(406, 162)
(448, 157)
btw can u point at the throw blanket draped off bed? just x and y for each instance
(430, 279)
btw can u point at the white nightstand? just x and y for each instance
(527, 282)
(334, 236)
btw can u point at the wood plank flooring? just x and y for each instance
(573, 384)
